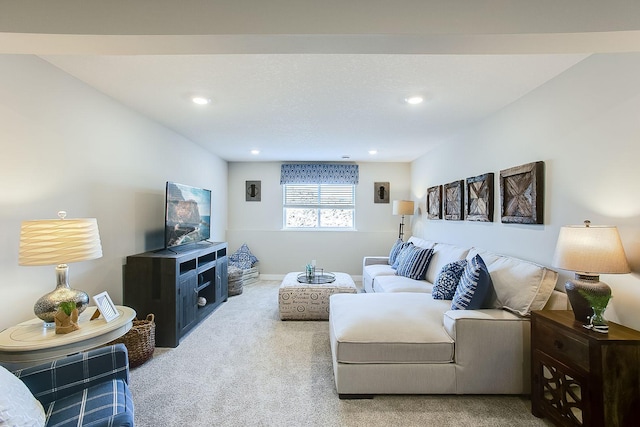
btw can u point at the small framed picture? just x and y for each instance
(106, 306)
(380, 192)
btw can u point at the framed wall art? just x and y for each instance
(453, 199)
(479, 198)
(522, 194)
(434, 202)
(380, 192)
(253, 191)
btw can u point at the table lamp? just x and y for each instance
(588, 251)
(402, 207)
(58, 242)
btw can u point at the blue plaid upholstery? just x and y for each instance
(86, 389)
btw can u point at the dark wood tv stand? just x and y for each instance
(168, 284)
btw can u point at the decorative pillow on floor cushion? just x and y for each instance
(395, 250)
(415, 263)
(243, 258)
(475, 288)
(447, 281)
(403, 252)
(18, 407)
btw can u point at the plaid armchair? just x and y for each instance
(89, 388)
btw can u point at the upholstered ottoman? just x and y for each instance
(301, 301)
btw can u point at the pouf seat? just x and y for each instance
(302, 301)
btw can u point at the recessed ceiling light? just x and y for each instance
(346, 156)
(200, 100)
(372, 152)
(255, 152)
(414, 100)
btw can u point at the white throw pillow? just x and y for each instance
(18, 407)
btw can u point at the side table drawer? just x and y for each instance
(563, 345)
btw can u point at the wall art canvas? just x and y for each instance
(479, 198)
(434, 202)
(522, 194)
(453, 199)
(380, 192)
(253, 191)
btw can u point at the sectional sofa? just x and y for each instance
(397, 339)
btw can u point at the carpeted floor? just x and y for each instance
(242, 366)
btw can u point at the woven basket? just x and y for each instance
(140, 341)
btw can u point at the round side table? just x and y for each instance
(30, 343)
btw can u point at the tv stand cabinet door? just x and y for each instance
(187, 301)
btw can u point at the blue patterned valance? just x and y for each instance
(318, 173)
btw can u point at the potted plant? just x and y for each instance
(66, 317)
(598, 303)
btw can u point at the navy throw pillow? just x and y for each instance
(447, 281)
(414, 265)
(475, 288)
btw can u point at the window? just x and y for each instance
(319, 206)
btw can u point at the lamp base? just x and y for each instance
(592, 285)
(47, 305)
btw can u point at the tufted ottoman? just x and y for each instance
(302, 301)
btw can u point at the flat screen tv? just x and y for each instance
(187, 215)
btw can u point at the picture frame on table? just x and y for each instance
(106, 307)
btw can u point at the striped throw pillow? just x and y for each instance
(415, 263)
(475, 288)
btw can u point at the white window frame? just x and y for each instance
(319, 206)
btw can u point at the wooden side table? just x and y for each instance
(584, 378)
(29, 343)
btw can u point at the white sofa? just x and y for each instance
(397, 339)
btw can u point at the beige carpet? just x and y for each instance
(242, 366)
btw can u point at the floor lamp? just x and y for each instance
(402, 207)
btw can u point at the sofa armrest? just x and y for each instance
(65, 376)
(372, 260)
(491, 347)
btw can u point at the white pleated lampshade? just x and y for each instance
(590, 249)
(402, 207)
(59, 241)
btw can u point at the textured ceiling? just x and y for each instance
(316, 106)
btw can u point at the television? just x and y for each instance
(187, 215)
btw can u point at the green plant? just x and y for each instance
(67, 307)
(599, 302)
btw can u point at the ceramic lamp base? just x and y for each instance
(592, 285)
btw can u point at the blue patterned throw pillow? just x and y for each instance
(403, 252)
(447, 281)
(475, 288)
(395, 250)
(243, 258)
(415, 263)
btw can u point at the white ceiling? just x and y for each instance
(321, 107)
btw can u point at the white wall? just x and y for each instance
(67, 147)
(585, 126)
(259, 224)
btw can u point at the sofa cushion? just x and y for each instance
(415, 263)
(394, 283)
(447, 281)
(404, 251)
(389, 328)
(18, 407)
(520, 286)
(475, 288)
(443, 254)
(422, 243)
